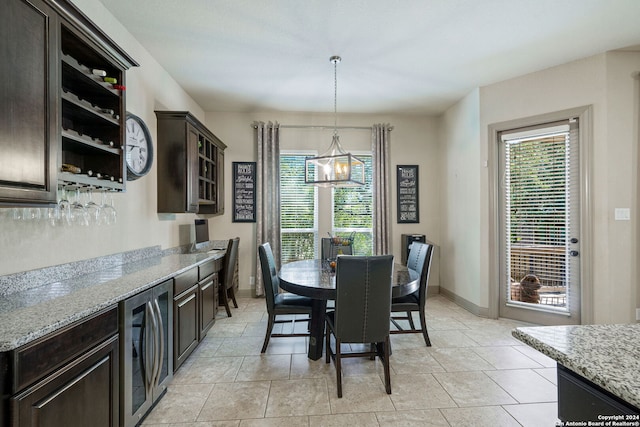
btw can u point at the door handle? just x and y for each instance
(160, 337)
(574, 253)
(150, 343)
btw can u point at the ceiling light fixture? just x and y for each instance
(335, 167)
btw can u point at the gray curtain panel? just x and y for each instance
(268, 192)
(380, 143)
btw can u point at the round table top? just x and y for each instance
(314, 279)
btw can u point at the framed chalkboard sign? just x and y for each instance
(244, 191)
(408, 206)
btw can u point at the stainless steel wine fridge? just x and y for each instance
(147, 346)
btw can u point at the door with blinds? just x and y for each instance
(539, 227)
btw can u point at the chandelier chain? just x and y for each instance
(335, 96)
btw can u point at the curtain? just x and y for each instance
(268, 192)
(380, 143)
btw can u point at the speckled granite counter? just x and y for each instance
(607, 355)
(32, 313)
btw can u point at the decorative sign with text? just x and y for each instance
(244, 191)
(408, 206)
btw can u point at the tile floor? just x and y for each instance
(475, 374)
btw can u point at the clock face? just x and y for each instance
(139, 148)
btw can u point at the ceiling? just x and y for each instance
(398, 56)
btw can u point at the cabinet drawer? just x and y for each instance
(209, 267)
(184, 281)
(35, 360)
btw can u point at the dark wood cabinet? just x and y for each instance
(190, 161)
(195, 306)
(186, 302)
(69, 378)
(209, 281)
(54, 108)
(28, 111)
(580, 400)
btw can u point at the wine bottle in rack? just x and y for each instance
(99, 73)
(66, 167)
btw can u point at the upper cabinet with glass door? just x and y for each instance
(62, 115)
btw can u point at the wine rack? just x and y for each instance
(207, 173)
(92, 115)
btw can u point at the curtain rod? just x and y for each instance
(324, 127)
(321, 127)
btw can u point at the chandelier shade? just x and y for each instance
(335, 167)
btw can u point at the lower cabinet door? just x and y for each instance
(186, 328)
(208, 302)
(82, 393)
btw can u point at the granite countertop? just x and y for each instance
(607, 355)
(32, 313)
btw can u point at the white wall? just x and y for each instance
(608, 82)
(460, 253)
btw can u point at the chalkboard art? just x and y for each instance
(408, 207)
(244, 191)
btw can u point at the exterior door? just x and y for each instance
(539, 227)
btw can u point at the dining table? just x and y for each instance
(317, 280)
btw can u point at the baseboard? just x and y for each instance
(467, 305)
(246, 293)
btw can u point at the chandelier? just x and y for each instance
(335, 167)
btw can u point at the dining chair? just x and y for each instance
(280, 304)
(420, 261)
(226, 289)
(363, 304)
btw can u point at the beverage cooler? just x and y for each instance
(146, 349)
(407, 241)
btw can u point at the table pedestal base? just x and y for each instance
(316, 329)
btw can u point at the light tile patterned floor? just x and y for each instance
(475, 374)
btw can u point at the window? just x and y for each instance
(299, 218)
(351, 211)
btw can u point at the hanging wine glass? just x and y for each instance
(108, 212)
(64, 206)
(79, 215)
(93, 209)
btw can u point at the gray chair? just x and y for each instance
(279, 304)
(363, 307)
(420, 261)
(226, 289)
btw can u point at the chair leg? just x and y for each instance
(225, 301)
(232, 291)
(410, 319)
(272, 320)
(423, 323)
(338, 368)
(387, 376)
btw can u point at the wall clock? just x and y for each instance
(139, 148)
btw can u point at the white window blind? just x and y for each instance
(353, 211)
(298, 223)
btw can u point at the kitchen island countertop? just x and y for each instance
(30, 314)
(606, 355)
